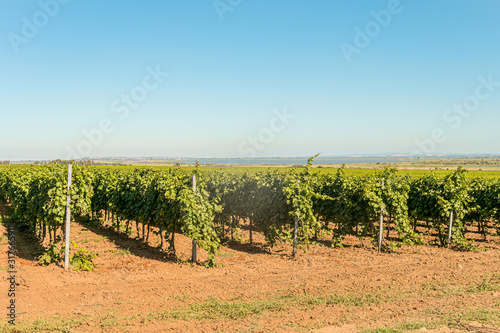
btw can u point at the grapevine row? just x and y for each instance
(38, 196)
(326, 205)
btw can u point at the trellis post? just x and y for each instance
(68, 218)
(381, 226)
(295, 236)
(450, 228)
(195, 244)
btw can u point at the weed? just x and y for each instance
(81, 260)
(54, 254)
(393, 246)
(487, 284)
(123, 252)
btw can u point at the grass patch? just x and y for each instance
(102, 322)
(441, 290)
(413, 326)
(372, 298)
(383, 330)
(488, 283)
(97, 239)
(491, 283)
(55, 324)
(214, 309)
(123, 252)
(480, 315)
(402, 327)
(459, 320)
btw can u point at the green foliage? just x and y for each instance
(324, 203)
(301, 194)
(83, 260)
(393, 246)
(432, 199)
(164, 200)
(197, 215)
(54, 254)
(38, 195)
(270, 200)
(484, 204)
(354, 204)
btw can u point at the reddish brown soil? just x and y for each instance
(137, 290)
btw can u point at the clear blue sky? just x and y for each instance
(353, 76)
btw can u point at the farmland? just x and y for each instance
(141, 223)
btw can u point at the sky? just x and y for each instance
(241, 78)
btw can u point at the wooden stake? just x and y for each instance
(295, 236)
(451, 227)
(381, 226)
(195, 244)
(68, 218)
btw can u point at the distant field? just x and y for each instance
(354, 170)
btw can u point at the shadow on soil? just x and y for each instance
(254, 248)
(27, 245)
(136, 246)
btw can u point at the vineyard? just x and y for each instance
(326, 206)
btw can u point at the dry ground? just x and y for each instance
(139, 288)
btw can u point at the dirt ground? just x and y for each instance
(137, 287)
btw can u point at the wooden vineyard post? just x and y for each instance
(195, 244)
(381, 226)
(68, 218)
(450, 229)
(295, 236)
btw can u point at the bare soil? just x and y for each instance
(137, 287)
